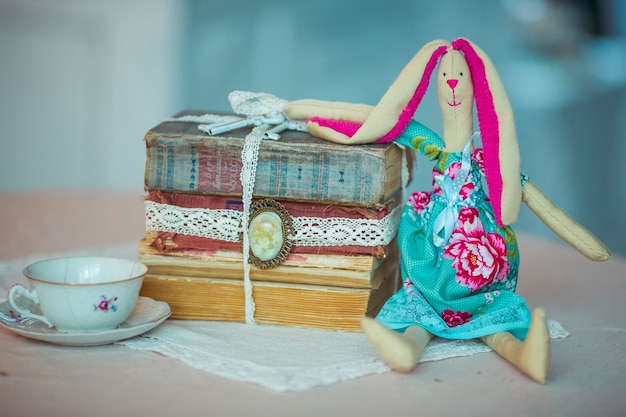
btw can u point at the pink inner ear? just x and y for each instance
(409, 110)
(488, 124)
(341, 126)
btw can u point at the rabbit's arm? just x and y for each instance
(333, 121)
(308, 108)
(563, 225)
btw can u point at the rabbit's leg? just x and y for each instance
(401, 351)
(532, 357)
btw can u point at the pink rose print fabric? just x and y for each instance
(455, 318)
(478, 257)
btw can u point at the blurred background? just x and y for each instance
(82, 81)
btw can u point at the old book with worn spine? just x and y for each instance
(367, 230)
(364, 271)
(182, 158)
(317, 291)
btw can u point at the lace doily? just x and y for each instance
(287, 358)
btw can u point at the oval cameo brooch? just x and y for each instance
(270, 230)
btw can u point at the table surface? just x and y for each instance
(587, 374)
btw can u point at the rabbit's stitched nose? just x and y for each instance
(452, 82)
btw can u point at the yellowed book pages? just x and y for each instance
(311, 306)
(330, 270)
(351, 262)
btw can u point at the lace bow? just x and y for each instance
(259, 109)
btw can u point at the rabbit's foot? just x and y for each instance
(532, 356)
(401, 351)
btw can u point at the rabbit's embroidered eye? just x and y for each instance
(443, 73)
(461, 74)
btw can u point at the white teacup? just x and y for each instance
(80, 294)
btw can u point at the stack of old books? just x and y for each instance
(321, 226)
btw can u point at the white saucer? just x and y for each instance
(146, 315)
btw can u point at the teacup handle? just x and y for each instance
(18, 289)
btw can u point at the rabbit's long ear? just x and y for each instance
(396, 108)
(497, 129)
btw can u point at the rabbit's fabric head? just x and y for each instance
(479, 82)
(462, 62)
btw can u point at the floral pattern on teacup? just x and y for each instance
(106, 304)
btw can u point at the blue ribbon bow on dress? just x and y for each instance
(444, 223)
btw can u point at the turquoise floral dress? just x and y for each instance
(459, 267)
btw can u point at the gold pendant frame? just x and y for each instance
(268, 214)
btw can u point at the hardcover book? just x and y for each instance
(362, 271)
(303, 291)
(365, 230)
(182, 158)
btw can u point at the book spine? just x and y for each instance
(171, 243)
(353, 176)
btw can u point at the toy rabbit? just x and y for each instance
(459, 257)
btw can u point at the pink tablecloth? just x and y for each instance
(587, 375)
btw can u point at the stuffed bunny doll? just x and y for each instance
(459, 257)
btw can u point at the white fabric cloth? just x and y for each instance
(279, 358)
(285, 358)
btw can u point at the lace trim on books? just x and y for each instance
(225, 224)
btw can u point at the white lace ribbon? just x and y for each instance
(224, 224)
(249, 157)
